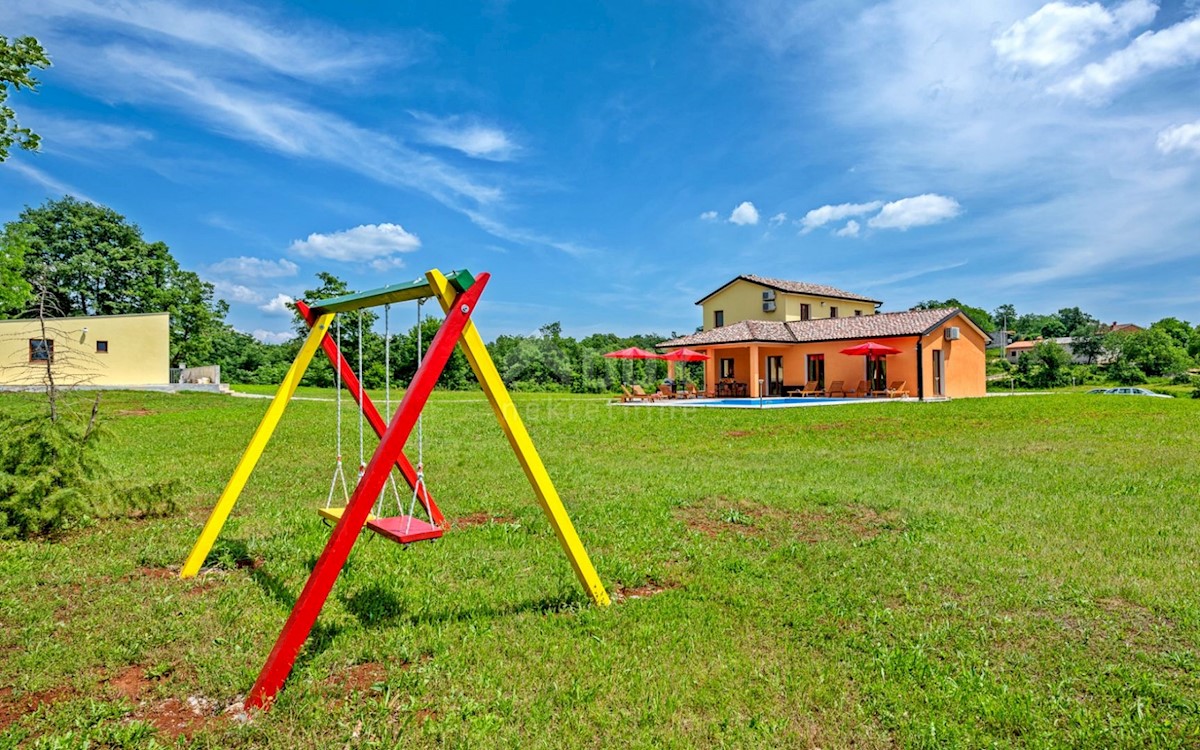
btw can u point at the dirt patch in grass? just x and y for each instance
(13, 707)
(133, 413)
(358, 678)
(174, 717)
(132, 683)
(645, 591)
(738, 433)
(478, 519)
(151, 572)
(713, 516)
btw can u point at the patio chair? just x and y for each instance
(811, 388)
(862, 390)
(895, 389)
(665, 391)
(691, 391)
(837, 388)
(638, 392)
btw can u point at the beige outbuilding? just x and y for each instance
(98, 350)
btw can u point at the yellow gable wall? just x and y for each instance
(138, 350)
(742, 300)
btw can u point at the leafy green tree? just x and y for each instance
(15, 291)
(1076, 320)
(1179, 330)
(1154, 351)
(92, 261)
(1088, 342)
(18, 58)
(1193, 347)
(1033, 325)
(1046, 365)
(978, 315)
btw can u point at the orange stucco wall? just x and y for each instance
(965, 361)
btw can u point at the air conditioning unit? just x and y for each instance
(769, 306)
(769, 295)
(952, 333)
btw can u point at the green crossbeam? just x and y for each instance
(384, 295)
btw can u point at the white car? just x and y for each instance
(1134, 392)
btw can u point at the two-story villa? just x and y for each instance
(779, 335)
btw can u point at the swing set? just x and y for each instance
(458, 294)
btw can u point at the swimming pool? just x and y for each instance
(771, 402)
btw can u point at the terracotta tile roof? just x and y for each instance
(881, 325)
(796, 287)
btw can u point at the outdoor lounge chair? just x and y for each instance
(811, 388)
(862, 390)
(665, 391)
(690, 392)
(837, 388)
(895, 389)
(639, 393)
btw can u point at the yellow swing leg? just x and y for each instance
(518, 438)
(254, 450)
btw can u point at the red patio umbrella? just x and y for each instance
(875, 352)
(633, 353)
(871, 348)
(685, 355)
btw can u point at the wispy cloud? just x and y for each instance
(708, 216)
(850, 230)
(778, 219)
(272, 337)
(243, 267)
(468, 136)
(71, 134)
(33, 174)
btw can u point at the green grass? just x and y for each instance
(1008, 572)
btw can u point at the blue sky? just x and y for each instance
(612, 163)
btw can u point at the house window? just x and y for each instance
(833, 313)
(858, 313)
(41, 350)
(805, 312)
(816, 369)
(718, 318)
(102, 347)
(727, 368)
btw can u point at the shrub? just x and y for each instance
(1196, 392)
(1182, 378)
(1126, 373)
(50, 481)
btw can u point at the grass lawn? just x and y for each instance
(1009, 572)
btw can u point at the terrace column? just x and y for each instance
(710, 371)
(754, 371)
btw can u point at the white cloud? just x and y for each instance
(1151, 52)
(278, 305)
(819, 217)
(243, 267)
(744, 214)
(850, 230)
(69, 134)
(1057, 33)
(918, 211)
(708, 216)
(272, 337)
(52, 184)
(778, 219)
(1180, 138)
(471, 138)
(231, 292)
(366, 243)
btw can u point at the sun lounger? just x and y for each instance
(862, 390)
(811, 388)
(895, 389)
(641, 394)
(837, 388)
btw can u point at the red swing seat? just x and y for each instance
(404, 529)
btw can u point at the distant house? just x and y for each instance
(1123, 327)
(116, 350)
(786, 333)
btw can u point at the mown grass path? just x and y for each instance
(1017, 572)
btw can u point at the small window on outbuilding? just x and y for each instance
(833, 312)
(858, 313)
(41, 350)
(718, 318)
(727, 367)
(102, 347)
